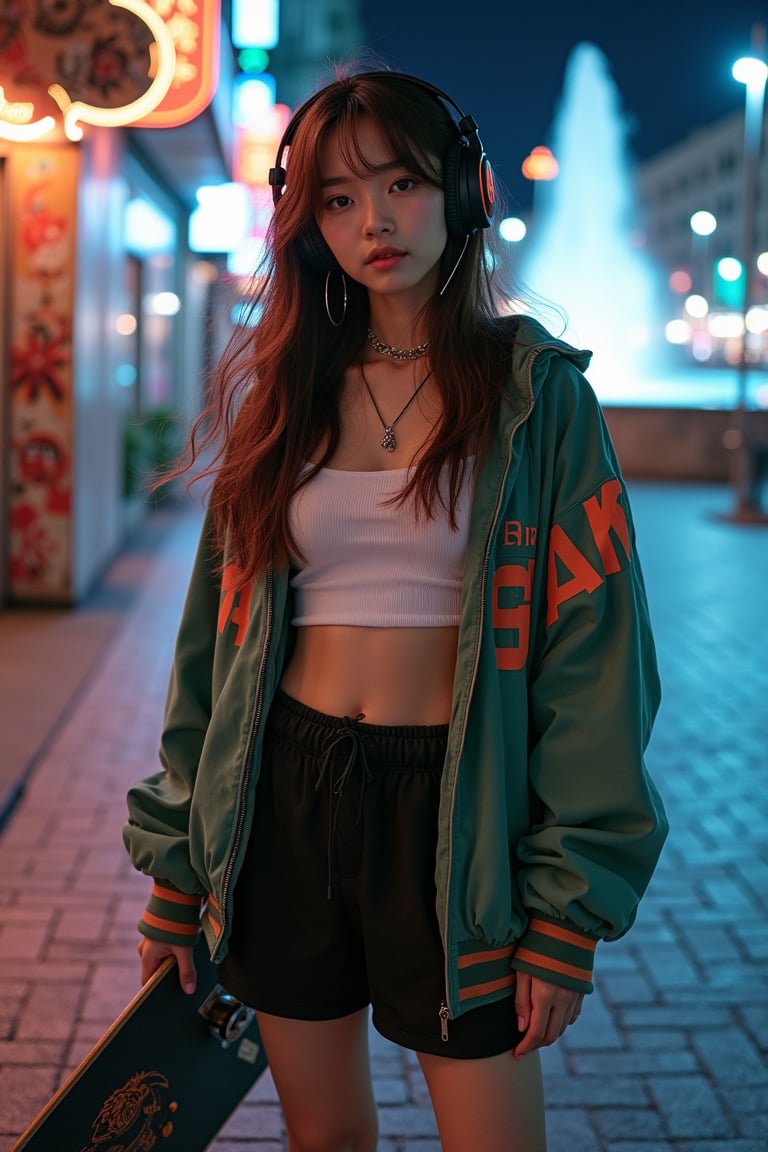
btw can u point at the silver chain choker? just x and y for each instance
(396, 353)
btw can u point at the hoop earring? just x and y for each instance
(336, 323)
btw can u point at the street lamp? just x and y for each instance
(752, 72)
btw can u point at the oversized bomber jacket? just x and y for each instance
(549, 826)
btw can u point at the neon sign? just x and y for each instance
(194, 26)
(164, 64)
(16, 121)
(20, 120)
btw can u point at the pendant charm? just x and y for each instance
(388, 440)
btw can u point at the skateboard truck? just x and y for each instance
(226, 1017)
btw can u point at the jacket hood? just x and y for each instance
(533, 341)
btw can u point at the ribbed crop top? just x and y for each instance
(375, 565)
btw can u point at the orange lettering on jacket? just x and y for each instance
(604, 514)
(517, 534)
(569, 572)
(604, 517)
(236, 605)
(512, 657)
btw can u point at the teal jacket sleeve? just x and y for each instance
(598, 823)
(157, 832)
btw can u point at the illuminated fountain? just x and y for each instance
(582, 258)
(588, 278)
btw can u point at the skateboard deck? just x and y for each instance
(167, 1074)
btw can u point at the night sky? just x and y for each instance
(504, 63)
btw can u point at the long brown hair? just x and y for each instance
(275, 390)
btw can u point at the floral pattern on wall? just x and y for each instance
(40, 372)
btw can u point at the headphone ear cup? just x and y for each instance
(314, 251)
(468, 189)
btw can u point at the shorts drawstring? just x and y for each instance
(351, 732)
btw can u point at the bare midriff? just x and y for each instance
(390, 675)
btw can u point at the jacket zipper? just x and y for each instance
(246, 774)
(445, 1012)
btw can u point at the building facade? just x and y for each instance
(705, 173)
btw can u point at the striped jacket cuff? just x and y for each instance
(483, 971)
(171, 916)
(556, 952)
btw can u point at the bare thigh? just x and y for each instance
(496, 1103)
(322, 1074)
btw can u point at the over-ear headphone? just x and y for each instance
(467, 174)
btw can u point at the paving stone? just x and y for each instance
(16, 1052)
(731, 1057)
(627, 988)
(251, 1119)
(24, 1089)
(728, 894)
(737, 1145)
(565, 1091)
(571, 1129)
(256, 1144)
(628, 1123)
(689, 1107)
(407, 1120)
(753, 1125)
(553, 1060)
(657, 1039)
(84, 925)
(633, 1063)
(49, 1013)
(712, 996)
(595, 1029)
(742, 1100)
(26, 945)
(390, 1090)
(670, 968)
(639, 1146)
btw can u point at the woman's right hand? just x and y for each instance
(153, 952)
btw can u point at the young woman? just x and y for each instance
(414, 678)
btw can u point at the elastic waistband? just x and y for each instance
(405, 746)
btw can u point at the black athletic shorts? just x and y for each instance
(335, 904)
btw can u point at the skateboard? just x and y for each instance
(166, 1075)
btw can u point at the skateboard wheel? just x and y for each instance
(227, 1018)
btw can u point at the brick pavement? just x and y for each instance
(671, 1054)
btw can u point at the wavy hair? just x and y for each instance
(274, 393)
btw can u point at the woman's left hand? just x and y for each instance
(544, 1011)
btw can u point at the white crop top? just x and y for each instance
(375, 565)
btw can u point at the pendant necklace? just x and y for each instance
(388, 440)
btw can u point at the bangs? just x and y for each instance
(414, 128)
(403, 149)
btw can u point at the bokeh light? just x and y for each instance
(729, 268)
(512, 229)
(703, 223)
(696, 306)
(680, 281)
(678, 332)
(126, 324)
(757, 320)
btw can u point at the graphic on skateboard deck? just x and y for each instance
(166, 1075)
